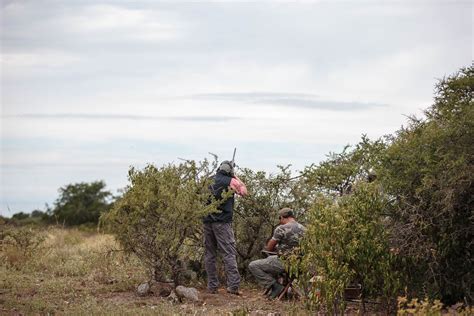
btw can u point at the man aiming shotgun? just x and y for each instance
(218, 233)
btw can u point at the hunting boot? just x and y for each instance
(276, 290)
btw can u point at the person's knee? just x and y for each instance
(254, 266)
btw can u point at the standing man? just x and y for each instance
(285, 237)
(218, 233)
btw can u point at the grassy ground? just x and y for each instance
(74, 272)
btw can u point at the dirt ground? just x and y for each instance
(251, 302)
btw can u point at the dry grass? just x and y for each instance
(72, 272)
(67, 273)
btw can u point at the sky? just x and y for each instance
(90, 88)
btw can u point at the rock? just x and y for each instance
(189, 293)
(143, 289)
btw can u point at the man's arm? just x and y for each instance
(277, 236)
(238, 186)
(271, 244)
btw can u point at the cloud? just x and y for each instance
(39, 58)
(83, 116)
(81, 26)
(294, 100)
(249, 96)
(132, 24)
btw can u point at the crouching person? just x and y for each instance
(285, 237)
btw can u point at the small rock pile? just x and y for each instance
(180, 293)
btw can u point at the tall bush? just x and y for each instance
(255, 216)
(346, 242)
(159, 216)
(429, 169)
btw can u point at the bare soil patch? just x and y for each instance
(250, 302)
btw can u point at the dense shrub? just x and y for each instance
(159, 215)
(255, 216)
(426, 171)
(346, 242)
(429, 169)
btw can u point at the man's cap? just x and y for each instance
(227, 166)
(286, 212)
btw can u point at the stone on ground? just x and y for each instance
(189, 293)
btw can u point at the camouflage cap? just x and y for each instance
(286, 212)
(226, 166)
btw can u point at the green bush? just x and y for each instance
(159, 215)
(346, 242)
(255, 216)
(429, 170)
(340, 171)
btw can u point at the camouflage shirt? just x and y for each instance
(288, 236)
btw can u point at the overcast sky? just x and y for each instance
(89, 88)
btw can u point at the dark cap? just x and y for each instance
(227, 167)
(286, 212)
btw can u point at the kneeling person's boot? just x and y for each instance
(276, 290)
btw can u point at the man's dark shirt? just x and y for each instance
(220, 185)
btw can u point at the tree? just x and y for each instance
(20, 216)
(37, 213)
(81, 203)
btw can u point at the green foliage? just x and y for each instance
(38, 213)
(20, 216)
(255, 216)
(81, 203)
(336, 175)
(36, 217)
(159, 216)
(429, 168)
(346, 242)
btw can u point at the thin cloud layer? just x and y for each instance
(293, 100)
(82, 116)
